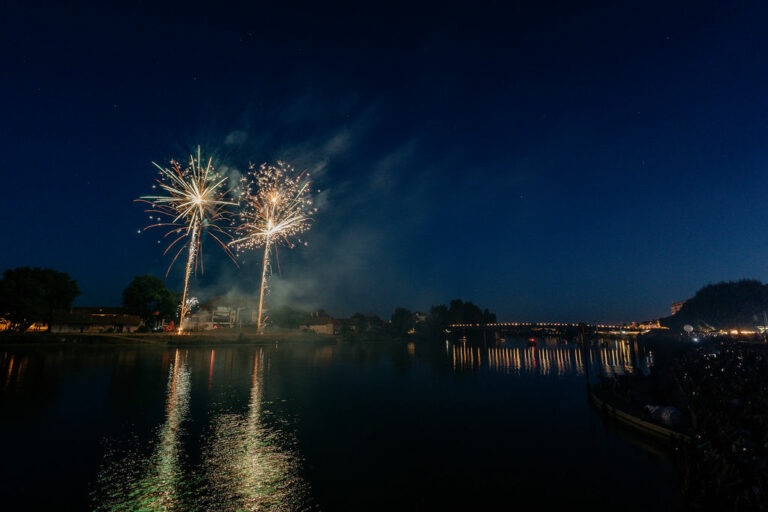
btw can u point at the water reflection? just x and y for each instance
(246, 459)
(247, 464)
(165, 477)
(157, 482)
(551, 357)
(13, 369)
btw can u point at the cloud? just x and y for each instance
(235, 138)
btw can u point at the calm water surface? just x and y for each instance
(329, 427)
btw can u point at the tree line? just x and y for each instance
(31, 295)
(403, 323)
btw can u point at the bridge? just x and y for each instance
(558, 326)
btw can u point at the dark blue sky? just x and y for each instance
(546, 161)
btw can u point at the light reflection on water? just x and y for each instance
(156, 483)
(245, 463)
(615, 357)
(14, 369)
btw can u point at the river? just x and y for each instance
(297, 426)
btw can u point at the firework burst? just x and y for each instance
(195, 202)
(275, 209)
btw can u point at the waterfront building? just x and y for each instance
(223, 312)
(320, 322)
(650, 324)
(94, 320)
(676, 306)
(35, 327)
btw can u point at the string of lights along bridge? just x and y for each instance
(540, 324)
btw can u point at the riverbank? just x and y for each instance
(228, 337)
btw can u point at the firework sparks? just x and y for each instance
(195, 202)
(276, 208)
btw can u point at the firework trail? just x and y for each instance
(276, 208)
(195, 201)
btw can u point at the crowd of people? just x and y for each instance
(725, 384)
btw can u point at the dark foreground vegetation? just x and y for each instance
(725, 385)
(720, 388)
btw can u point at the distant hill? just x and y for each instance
(728, 305)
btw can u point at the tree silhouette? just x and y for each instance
(148, 297)
(29, 295)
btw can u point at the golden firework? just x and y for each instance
(276, 207)
(195, 202)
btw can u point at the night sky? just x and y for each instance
(548, 162)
